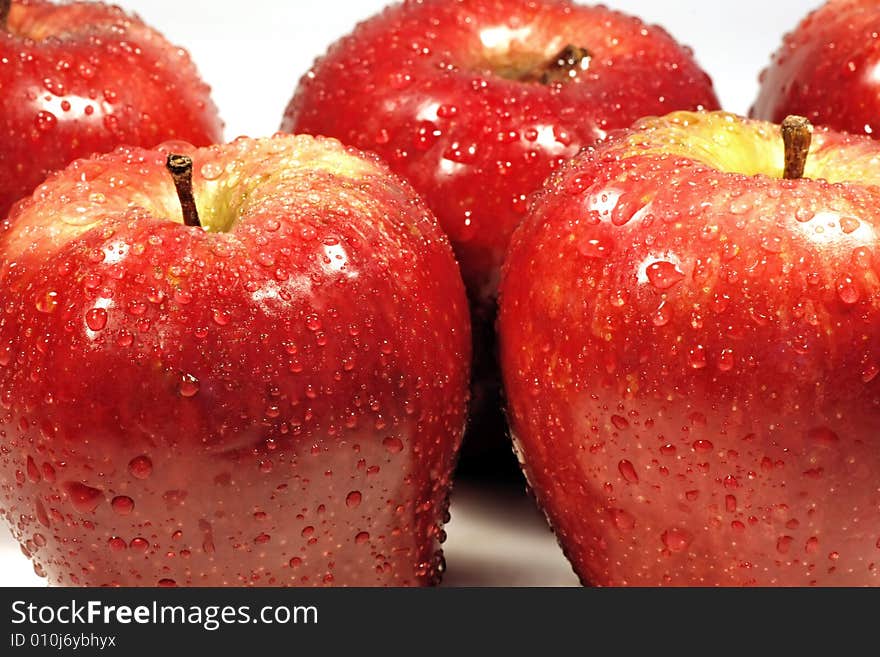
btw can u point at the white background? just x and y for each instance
(253, 53)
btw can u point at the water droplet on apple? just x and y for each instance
(139, 543)
(462, 153)
(804, 215)
(96, 319)
(362, 537)
(783, 544)
(740, 206)
(771, 244)
(623, 520)
(702, 446)
(730, 503)
(41, 514)
(140, 467)
(393, 445)
(211, 170)
(628, 471)
(117, 544)
(697, 357)
(353, 499)
(595, 248)
(137, 307)
(427, 134)
(265, 258)
(663, 315)
(861, 258)
(155, 295)
(847, 290)
(399, 80)
(823, 436)
(45, 121)
(382, 137)
(849, 225)
(188, 385)
(85, 499)
(676, 540)
(33, 472)
(46, 302)
(663, 274)
(122, 504)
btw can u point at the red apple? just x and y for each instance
(690, 347)
(86, 77)
(828, 70)
(277, 398)
(476, 102)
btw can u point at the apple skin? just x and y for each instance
(84, 78)
(432, 87)
(276, 400)
(690, 350)
(826, 70)
(435, 88)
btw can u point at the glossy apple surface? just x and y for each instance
(828, 70)
(690, 349)
(450, 95)
(475, 103)
(275, 400)
(84, 78)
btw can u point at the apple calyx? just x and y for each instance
(563, 67)
(797, 134)
(5, 6)
(180, 167)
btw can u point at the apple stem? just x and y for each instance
(797, 134)
(180, 167)
(564, 66)
(5, 6)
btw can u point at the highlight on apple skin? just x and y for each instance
(827, 70)
(85, 77)
(273, 394)
(690, 350)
